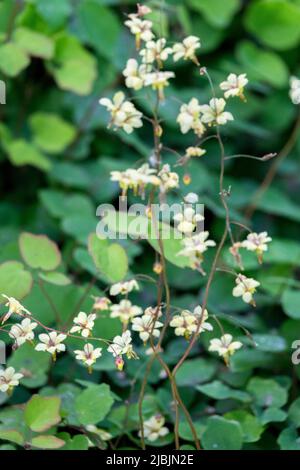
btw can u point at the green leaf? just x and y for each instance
(14, 280)
(12, 59)
(110, 259)
(50, 132)
(23, 153)
(289, 439)
(47, 442)
(41, 413)
(93, 404)
(294, 412)
(54, 277)
(262, 65)
(33, 43)
(195, 371)
(272, 415)
(217, 12)
(34, 365)
(251, 427)
(100, 27)
(220, 391)
(12, 435)
(270, 343)
(60, 203)
(78, 442)
(274, 22)
(55, 12)
(291, 303)
(222, 434)
(267, 392)
(39, 252)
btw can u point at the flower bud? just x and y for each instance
(119, 363)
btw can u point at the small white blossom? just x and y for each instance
(187, 220)
(136, 179)
(153, 312)
(89, 355)
(189, 118)
(155, 51)
(245, 288)
(295, 90)
(154, 428)
(195, 246)
(124, 288)
(142, 29)
(134, 74)
(214, 112)
(234, 85)
(187, 323)
(14, 306)
(169, 179)
(125, 311)
(9, 379)
(22, 332)
(120, 346)
(194, 152)
(84, 324)
(186, 49)
(123, 113)
(158, 81)
(146, 326)
(191, 198)
(257, 242)
(224, 346)
(51, 343)
(101, 303)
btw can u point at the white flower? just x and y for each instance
(134, 74)
(257, 242)
(194, 152)
(14, 306)
(101, 303)
(187, 323)
(124, 287)
(23, 332)
(153, 312)
(191, 198)
(51, 343)
(245, 288)
(136, 179)
(125, 311)
(195, 246)
(142, 29)
(123, 113)
(189, 118)
(145, 326)
(295, 90)
(234, 85)
(186, 49)
(89, 355)
(187, 220)
(169, 179)
(84, 324)
(224, 346)
(158, 81)
(120, 346)
(214, 112)
(155, 51)
(154, 428)
(9, 379)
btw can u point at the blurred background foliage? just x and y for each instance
(57, 58)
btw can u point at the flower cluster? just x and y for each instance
(188, 323)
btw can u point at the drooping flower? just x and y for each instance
(194, 152)
(101, 303)
(169, 179)
(187, 220)
(83, 324)
(142, 29)
(134, 74)
(89, 355)
(51, 343)
(158, 81)
(245, 288)
(155, 51)
(136, 179)
(154, 428)
(146, 326)
(195, 246)
(224, 346)
(123, 113)
(214, 114)
(124, 288)
(121, 346)
(189, 118)
(257, 242)
(191, 198)
(187, 49)
(9, 379)
(295, 90)
(154, 312)
(234, 85)
(187, 323)
(22, 332)
(125, 311)
(14, 306)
